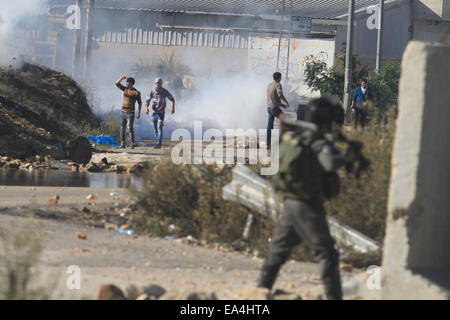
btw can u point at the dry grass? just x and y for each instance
(19, 254)
(362, 203)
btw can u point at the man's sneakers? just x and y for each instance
(132, 146)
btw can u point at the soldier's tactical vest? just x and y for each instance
(300, 174)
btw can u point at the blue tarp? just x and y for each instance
(109, 140)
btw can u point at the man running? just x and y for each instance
(158, 96)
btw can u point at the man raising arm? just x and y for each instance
(130, 96)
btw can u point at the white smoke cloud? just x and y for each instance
(232, 102)
(11, 14)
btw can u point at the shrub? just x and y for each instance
(165, 66)
(108, 126)
(190, 197)
(362, 203)
(19, 253)
(330, 81)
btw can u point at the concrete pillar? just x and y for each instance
(88, 35)
(76, 51)
(380, 38)
(349, 62)
(416, 257)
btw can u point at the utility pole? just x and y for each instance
(279, 39)
(380, 37)
(349, 61)
(88, 35)
(289, 44)
(76, 53)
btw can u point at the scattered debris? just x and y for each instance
(153, 291)
(81, 235)
(124, 231)
(110, 226)
(79, 250)
(91, 197)
(54, 199)
(190, 240)
(79, 150)
(132, 292)
(110, 292)
(85, 210)
(347, 267)
(252, 293)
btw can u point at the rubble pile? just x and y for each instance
(40, 107)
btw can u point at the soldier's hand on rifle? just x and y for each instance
(355, 147)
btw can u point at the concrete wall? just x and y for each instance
(416, 260)
(428, 25)
(395, 37)
(431, 31)
(438, 8)
(110, 58)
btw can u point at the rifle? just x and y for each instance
(362, 162)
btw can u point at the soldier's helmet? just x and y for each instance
(324, 110)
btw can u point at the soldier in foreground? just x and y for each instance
(308, 161)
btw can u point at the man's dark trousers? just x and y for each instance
(126, 122)
(272, 113)
(360, 115)
(307, 222)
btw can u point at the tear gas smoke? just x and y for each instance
(13, 13)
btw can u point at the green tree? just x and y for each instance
(330, 81)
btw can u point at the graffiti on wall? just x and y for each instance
(263, 52)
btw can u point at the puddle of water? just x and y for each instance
(62, 178)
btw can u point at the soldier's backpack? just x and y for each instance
(300, 174)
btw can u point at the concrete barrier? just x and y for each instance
(416, 256)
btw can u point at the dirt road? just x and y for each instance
(108, 257)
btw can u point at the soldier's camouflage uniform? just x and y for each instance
(306, 176)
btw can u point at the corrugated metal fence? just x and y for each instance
(186, 38)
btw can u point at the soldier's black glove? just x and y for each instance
(355, 147)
